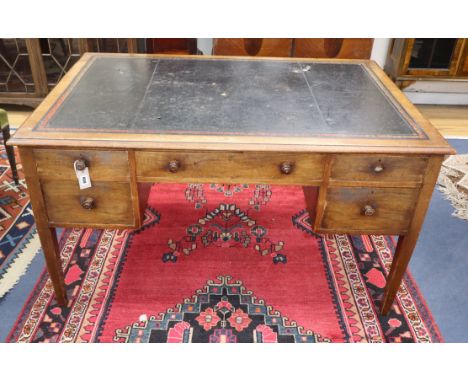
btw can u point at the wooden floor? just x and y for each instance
(452, 121)
(17, 114)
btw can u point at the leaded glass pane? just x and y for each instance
(59, 55)
(109, 45)
(15, 69)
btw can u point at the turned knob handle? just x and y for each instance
(87, 202)
(378, 168)
(286, 168)
(80, 164)
(368, 210)
(173, 166)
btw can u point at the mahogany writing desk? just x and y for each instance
(366, 157)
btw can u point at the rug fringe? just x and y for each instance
(452, 184)
(19, 266)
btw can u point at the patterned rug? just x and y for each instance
(19, 242)
(219, 263)
(453, 183)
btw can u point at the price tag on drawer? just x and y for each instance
(84, 181)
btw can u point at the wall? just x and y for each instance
(380, 50)
(205, 45)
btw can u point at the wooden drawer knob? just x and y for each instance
(80, 164)
(378, 168)
(87, 202)
(173, 166)
(286, 168)
(368, 210)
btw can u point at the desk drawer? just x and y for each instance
(368, 210)
(229, 167)
(106, 165)
(112, 203)
(378, 168)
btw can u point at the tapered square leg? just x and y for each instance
(47, 235)
(407, 242)
(401, 258)
(48, 238)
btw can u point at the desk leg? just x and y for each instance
(51, 251)
(402, 256)
(47, 235)
(406, 243)
(311, 198)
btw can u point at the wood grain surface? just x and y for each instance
(103, 165)
(229, 167)
(393, 209)
(113, 203)
(337, 172)
(383, 168)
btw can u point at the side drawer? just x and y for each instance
(105, 165)
(384, 168)
(112, 204)
(368, 210)
(225, 167)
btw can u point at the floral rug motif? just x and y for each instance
(223, 281)
(223, 311)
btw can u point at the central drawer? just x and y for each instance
(229, 167)
(368, 210)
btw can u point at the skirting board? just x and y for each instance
(438, 92)
(438, 98)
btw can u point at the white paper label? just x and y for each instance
(84, 181)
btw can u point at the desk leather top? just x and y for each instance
(159, 95)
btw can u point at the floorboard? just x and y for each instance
(451, 121)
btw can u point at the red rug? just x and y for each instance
(216, 263)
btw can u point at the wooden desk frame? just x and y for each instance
(402, 192)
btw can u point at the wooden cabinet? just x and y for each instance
(31, 67)
(21, 73)
(463, 62)
(427, 59)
